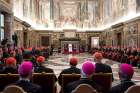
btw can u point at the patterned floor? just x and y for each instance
(58, 62)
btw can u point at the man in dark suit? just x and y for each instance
(125, 74)
(10, 66)
(73, 69)
(86, 71)
(25, 72)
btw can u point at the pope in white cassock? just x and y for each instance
(70, 48)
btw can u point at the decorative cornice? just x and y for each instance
(132, 20)
(117, 25)
(26, 24)
(17, 19)
(69, 39)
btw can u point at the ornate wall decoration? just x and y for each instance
(132, 6)
(138, 5)
(106, 7)
(133, 29)
(132, 42)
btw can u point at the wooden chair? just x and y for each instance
(46, 81)
(13, 89)
(133, 89)
(104, 80)
(67, 78)
(84, 88)
(6, 79)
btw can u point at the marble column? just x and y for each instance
(8, 26)
(100, 5)
(51, 9)
(86, 2)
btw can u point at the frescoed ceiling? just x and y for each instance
(78, 14)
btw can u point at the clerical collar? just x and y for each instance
(25, 79)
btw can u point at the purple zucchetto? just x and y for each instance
(127, 70)
(25, 68)
(88, 68)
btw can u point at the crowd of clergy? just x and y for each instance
(25, 62)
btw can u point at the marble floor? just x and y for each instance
(58, 62)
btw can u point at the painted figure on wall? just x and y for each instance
(132, 6)
(138, 5)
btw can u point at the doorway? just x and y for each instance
(119, 39)
(45, 40)
(25, 39)
(94, 42)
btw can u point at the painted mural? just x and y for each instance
(74, 13)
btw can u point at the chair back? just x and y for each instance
(46, 81)
(104, 80)
(6, 79)
(84, 88)
(67, 78)
(133, 89)
(13, 89)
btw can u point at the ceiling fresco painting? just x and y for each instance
(78, 14)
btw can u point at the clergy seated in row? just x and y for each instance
(25, 72)
(72, 69)
(123, 55)
(87, 70)
(41, 68)
(126, 72)
(10, 66)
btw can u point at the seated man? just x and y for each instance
(73, 69)
(25, 72)
(10, 66)
(41, 68)
(125, 74)
(86, 71)
(100, 67)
